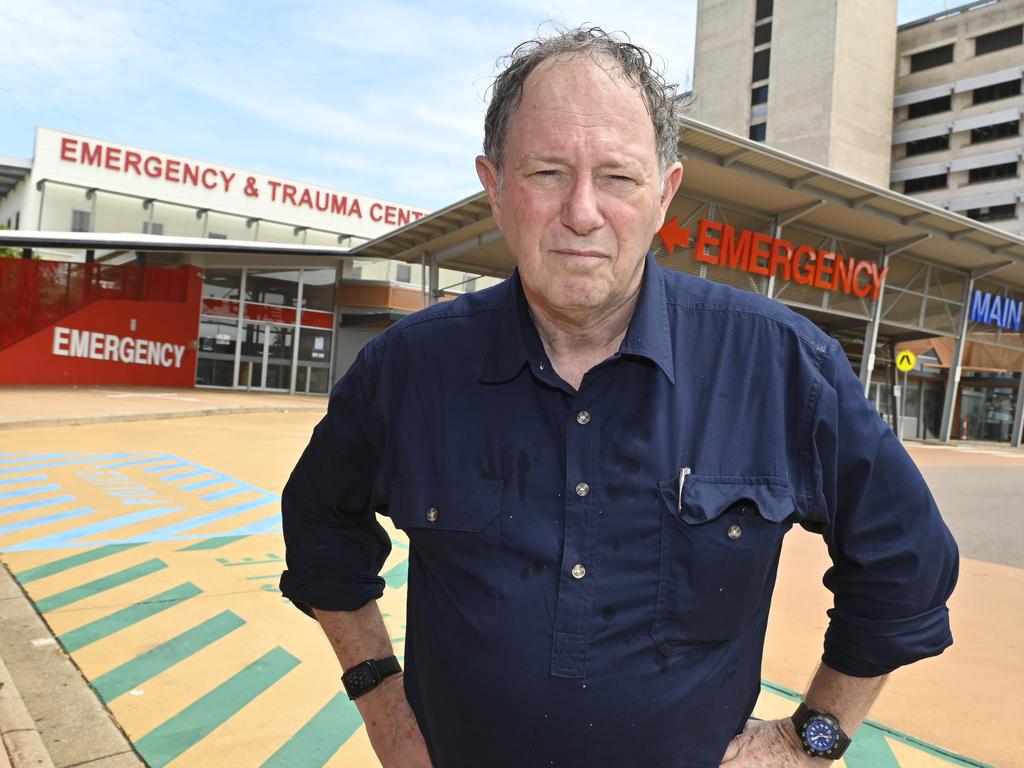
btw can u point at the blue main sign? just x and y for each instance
(996, 310)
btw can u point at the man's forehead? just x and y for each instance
(579, 66)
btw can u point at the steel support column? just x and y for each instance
(867, 357)
(1018, 414)
(953, 378)
(423, 280)
(434, 272)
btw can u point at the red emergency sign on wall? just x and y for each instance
(146, 340)
(760, 254)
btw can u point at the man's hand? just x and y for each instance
(769, 744)
(391, 725)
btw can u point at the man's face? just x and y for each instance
(581, 195)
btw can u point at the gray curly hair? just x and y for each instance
(664, 104)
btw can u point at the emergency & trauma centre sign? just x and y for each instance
(761, 254)
(118, 168)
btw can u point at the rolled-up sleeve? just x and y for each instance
(335, 547)
(894, 561)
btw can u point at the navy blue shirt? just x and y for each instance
(567, 604)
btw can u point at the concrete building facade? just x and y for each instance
(811, 79)
(957, 140)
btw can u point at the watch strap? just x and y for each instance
(367, 675)
(800, 718)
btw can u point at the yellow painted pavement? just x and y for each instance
(152, 550)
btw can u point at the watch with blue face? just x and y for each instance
(820, 733)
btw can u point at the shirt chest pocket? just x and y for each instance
(720, 544)
(454, 561)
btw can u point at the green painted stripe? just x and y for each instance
(317, 741)
(66, 563)
(397, 576)
(870, 750)
(73, 595)
(87, 634)
(215, 543)
(194, 723)
(134, 673)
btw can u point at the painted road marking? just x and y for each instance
(317, 741)
(169, 740)
(129, 616)
(134, 673)
(29, 491)
(72, 561)
(112, 581)
(27, 479)
(198, 632)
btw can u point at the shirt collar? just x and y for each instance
(517, 343)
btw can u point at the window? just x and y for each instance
(930, 107)
(278, 287)
(993, 213)
(936, 57)
(470, 284)
(932, 144)
(995, 132)
(939, 181)
(993, 172)
(764, 9)
(217, 236)
(156, 228)
(996, 41)
(17, 219)
(81, 221)
(356, 273)
(763, 33)
(998, 91)
(759, 95)
(403, 273)
(222, 283)
(761, 62)
(759, 131)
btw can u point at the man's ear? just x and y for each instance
(488, 174)
(673, 178)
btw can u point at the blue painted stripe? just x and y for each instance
(165, 467)
(148, 460)
(26, 479)
(66, 537)
(182, 475)
(266, 525)
(171, 531)
(66, 462)
(227, 493)
(205, 483)
(36, 457)
(37, 521)
(29, 491)
(35, 504)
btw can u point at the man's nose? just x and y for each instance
(581, 211)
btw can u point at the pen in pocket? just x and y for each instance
(683, 472)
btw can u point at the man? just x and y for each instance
(595, 462)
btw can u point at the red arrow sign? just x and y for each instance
(673, 235)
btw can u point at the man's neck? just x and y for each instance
(576, 342)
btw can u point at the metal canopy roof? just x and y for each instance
(121, 243)
(12, 170)
(725, 168)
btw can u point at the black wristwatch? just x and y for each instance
(820, 733)
(367, 675)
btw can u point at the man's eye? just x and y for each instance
(549, 172)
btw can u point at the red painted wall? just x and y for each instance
(168, 331)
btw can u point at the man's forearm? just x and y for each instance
(848, 698)
(356, 635)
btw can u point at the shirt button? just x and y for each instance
(583, 417)
(578, 571)
(734, 532)
(582, 489)
(433, 514)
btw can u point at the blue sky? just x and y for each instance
(381, 98)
